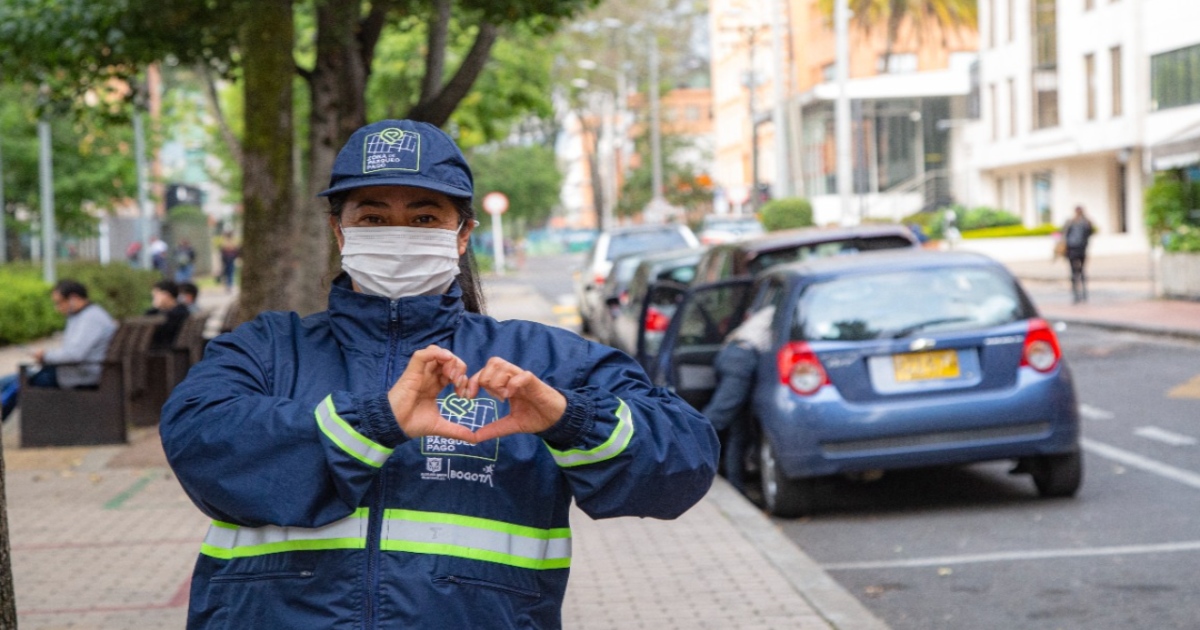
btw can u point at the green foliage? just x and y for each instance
(122, 290)
(786, 213)
(26, 312)
(978, 218)
(92, 159)
(1170, 212)
(527, 175)
(1007, 231)
(683, 185)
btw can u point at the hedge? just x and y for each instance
(27, 313)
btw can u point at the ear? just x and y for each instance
(464, 237)
(337, 231)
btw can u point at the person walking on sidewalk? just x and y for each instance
(1076, 234)
(402, 460)
(75, 363)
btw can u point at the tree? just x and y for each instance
(527, 175)
(77, 46)
(92, 164)
(683, 185)
(940, 16)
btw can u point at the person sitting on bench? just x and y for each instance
(165, 298)
(76, 363)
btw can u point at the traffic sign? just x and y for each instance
(495, 203)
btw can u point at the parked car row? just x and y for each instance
(893, 357)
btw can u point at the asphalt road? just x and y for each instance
(975, 548)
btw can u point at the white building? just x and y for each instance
(1080, 102)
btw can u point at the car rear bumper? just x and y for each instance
(823, 434)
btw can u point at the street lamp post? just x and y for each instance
(842, 109)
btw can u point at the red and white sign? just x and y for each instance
(495, 203)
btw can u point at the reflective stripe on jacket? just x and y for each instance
(327, 516)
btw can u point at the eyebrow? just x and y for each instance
(416, 204)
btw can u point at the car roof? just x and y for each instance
(657, 227)
(883, 260)
(801, 236)
(672, 254)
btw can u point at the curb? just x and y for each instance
(832, 602)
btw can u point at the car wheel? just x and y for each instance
(1057, 475)
(782, 496)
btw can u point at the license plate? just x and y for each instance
(924, 366)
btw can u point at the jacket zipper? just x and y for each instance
(375, 517)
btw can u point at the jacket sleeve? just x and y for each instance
(628, 448)
(249, 456)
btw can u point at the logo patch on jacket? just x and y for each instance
(472, 414)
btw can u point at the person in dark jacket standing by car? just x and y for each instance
(1076, 234)
(402, 460)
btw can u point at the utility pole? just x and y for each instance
(842, 109)
(752, 85)
(782, 74)
(657, 202)
(46, 178)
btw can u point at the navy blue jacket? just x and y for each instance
(327, 516)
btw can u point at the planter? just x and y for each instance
(1179, 275)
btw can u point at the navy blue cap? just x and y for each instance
(401, 153)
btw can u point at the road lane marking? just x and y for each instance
(1010, 556)
(1190, 389)
(1095, 413)
(1165, 436)
(1134, 460)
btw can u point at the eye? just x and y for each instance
(372, 220)
(426, 220)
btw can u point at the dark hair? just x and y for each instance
(187, 288)
(468, 269)
(168, 286)
(67, 288)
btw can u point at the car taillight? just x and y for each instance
(656, 321)
(1041, 351)
(800, 369)
(600, 280)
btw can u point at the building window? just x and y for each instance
(1175, 78)
(1044, 79)
(1089, 73)
(1012, 107)
(829, 72)
(1114, 57)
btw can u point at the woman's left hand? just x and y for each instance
(533, 405)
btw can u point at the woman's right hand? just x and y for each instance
(414, 398)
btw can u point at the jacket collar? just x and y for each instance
(363, 321)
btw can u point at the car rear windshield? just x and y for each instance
(829, 248)
(899, 304)
(638, 242)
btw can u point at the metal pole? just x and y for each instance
(657, 202)
(139, 150)
(842, 110)
(47, 194)
(752, 82)
(782, 74)
(3, 218)
(497, 244)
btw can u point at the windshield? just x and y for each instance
(904, 303)
(828, 248)
(638, 242)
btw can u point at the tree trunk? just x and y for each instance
(8, 601)
(272, 261)
(438, 108)
(338, 86)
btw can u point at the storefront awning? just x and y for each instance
(1178, 151)
(896, 86)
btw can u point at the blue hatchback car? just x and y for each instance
(887, 360)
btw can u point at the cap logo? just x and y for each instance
(392, 149)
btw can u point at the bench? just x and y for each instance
(164, 369)
(52, 416)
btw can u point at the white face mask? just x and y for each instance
(396, 262)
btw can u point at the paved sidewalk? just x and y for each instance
(104, 538)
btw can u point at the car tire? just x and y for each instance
(781, 495)
(1057, 475)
